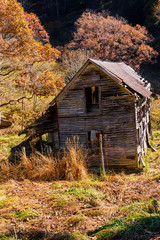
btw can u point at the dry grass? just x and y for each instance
(69, 166)
(155, 112)
(96, 207)
(35, 167)
(42, 209)
(72, 166)
(76, 220)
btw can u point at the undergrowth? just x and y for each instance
(69, 166)
(155, 113)
(141, 217)
(117, 206)
(8, 140)
(76, 220)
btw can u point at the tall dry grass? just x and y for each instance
(69, 165)
(72, 166)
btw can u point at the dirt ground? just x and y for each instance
(44, 208)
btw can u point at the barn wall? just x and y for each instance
(116, 118)
(143, 126)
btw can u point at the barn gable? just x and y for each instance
(73, 103)
(118, 71)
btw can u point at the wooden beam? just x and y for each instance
(102, 154)
(41, 143)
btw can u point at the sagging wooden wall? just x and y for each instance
(116, 118)
(143, 126)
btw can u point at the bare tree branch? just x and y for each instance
(15, 100)
(5, 74)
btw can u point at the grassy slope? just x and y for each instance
(7, 141)
(104, 208)
(119, 206)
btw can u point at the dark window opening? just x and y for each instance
(131, 157)
(92, 99)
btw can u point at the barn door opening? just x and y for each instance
(95, 140)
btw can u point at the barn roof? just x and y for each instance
(119, 71)
(125, 74)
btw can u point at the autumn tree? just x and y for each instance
(41, 82)
(26, 56)
(157, 11)
(39, 33)
(23, 41)
(19, 32)
(72, 61)
(113, 39)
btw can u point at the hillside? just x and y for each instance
(122, 205)
(119, 206)
(59, 16)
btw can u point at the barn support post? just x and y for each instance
(102, 154)
(41, 143)
(24, 151)
(53, 142)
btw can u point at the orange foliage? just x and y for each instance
(113, 39)
(44, 84)
(19, 32)
(34, 24)
(24, 42)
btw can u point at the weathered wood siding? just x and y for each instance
(143, 126)
(116, 118)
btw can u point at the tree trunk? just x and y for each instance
(57, 8)
(102, 154)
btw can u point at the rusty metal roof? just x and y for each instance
(125, 74)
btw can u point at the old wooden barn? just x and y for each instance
(106, 103)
